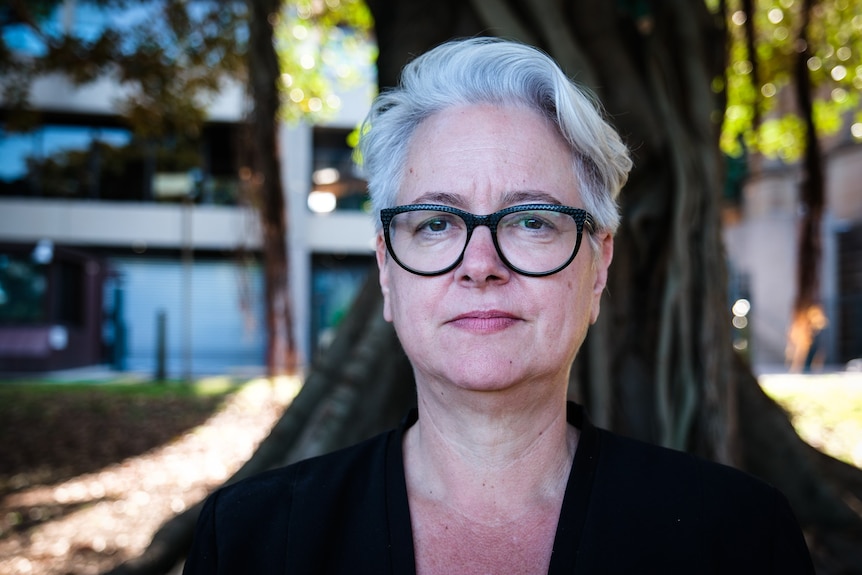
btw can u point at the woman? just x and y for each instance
(494, 178)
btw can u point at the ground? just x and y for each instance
(85, 481)
(87, 478)
(826, 409)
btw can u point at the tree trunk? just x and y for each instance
(659, 364)
(263, 181)
(808, 313)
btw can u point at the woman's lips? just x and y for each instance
(484, 321)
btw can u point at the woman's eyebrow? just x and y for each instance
(509, 198)
(442, 198)
(529, 196)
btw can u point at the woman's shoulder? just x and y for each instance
(696, 511)
(636, 467)
(654, 464)
(723, 504)
(300, 511)
(314, 476)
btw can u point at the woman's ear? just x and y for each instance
(383, 274)
(602, 263)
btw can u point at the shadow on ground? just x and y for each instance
(54, 434)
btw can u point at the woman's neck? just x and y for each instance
(492, 455)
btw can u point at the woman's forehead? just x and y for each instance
(500, 154)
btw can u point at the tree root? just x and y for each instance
(823, 491)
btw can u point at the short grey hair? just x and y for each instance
(498, 72)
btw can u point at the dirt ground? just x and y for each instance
(85, 482)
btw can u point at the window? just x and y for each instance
(68, 293)
(336, 184)
(80, 157)
(23, 288)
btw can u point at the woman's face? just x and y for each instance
(482, 326)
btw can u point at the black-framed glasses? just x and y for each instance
(531, 239)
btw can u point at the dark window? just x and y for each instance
(68, 293)
(336, 280)
(23, 289)
(850, 294)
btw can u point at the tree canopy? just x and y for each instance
(169, 56)
(172, 56)
(766, 39)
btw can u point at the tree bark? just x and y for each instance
(808, 313)
(264, 183)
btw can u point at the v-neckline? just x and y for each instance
(572, 515)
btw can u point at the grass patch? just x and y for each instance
(53, 431)
(207, 386)
(826, 410)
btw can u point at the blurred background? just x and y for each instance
(139, 249)
(161, 248)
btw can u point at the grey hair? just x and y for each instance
(497, 72)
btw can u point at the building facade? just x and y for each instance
(146, 258)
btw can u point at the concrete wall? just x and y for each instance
(127, 225)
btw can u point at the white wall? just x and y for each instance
(104, 96)
(844, 184)
(208, 330)
(764, 249)
(127, 224)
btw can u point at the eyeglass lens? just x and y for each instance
(534, 241)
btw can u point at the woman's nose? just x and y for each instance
(481, 262)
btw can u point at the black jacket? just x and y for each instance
(629, 507)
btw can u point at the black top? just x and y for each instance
(629, 507)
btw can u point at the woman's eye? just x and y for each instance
(436, 225)
(534, 223)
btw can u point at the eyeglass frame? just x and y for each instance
(581, 216)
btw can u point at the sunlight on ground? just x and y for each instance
(284, 388)
(826, 409)
(104, 517)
